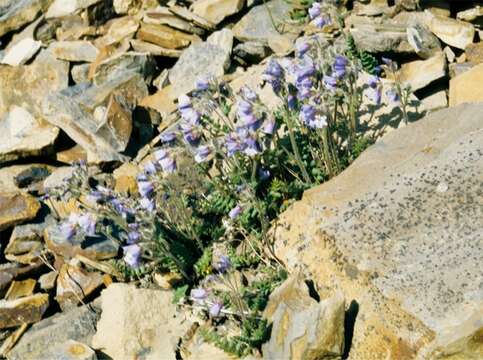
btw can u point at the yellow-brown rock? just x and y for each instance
(16, 208)
(458, 34)
(19, 289)
(125, 177)
(165, 36)
(474, 53)
(24, 310)
(467, 87)
(216, 10)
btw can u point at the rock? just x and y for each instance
(33, 174)
(47, 281)
(80, 50)
(470, 14)
(165, 36)
(162, 16)
(168, 280)
(72, 155)
(16, 13)
(19, 289)
(450, 55)
(131, 323)
(26, 242)
(466, 87)
(118, 30)
(94, 247)
(75, 285)
(437, 7)
(198, 349)
(474, 53)
(257, 26)
(80, 73)
(27, 310)
(105, 136)
(371, 8)
(185, 14)
(21, 52)
(251, 51)
(436, 101)
(304, 328)
(78, 324)
(421, 73)
(455, 33)
(22, 135)
(216, 10)
(376, 38)
(162, 101)
(209, 58)
(72, 350)
(154, 50)
(424, 43)
(458, 69)
(16, 208)
(61, 8)
(30, 176)
(122, 6)
(396, 238)
(125, 178)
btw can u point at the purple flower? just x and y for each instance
(373, 81)
(244, 107)
(250, 121)
(307, 114)
(159, 155)
(215, 309)
(87, 222)
(319, 122)
(67, 229)
(191, 115)
(273, 74)
(235, 212)
(119, 207)
(252, 147)
(232, 144)
(147, 204)
(167, 136)
(132, 255)
(268, 127)
(330, 82)
(223, 264)
(145, 188)
(184, 102)
(202, 84)
(375, 95)
(150, 168)
(168, 164)
(340, 65)
(392, 95)
(249, 94)
(305, 71)
(301, 48)
(133, 237)
(321, 21)
(191, 135)
(199, 294)
(202, 153)
(314, 10)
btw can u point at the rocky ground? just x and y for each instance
(393, 244)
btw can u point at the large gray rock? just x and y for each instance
(139, 322)
(16, 13)
(37, 343)
(207, 59)
(400, 233)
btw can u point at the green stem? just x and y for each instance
(295, 148)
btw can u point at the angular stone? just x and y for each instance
(75, 285)
(257, 26)
(61, 8)
(209, 58)
(16, 13)
(185, 14)
(26, 242)
(47, 281)
(251, 51)
(58, 177)
(216, 10)
(474, 53)
(470, 14)
(421, 73)
(199, 349)
(33, 174)
(78, 324)
(162, 101)
(19, 289)
(118, 29)
(22, 135)
(24, 310)
(95, 247)
(162, 16)
(80, 50)
(72, 155)
(435, 101)
(424, 43)
(80, 73)
(466, 87)
(16, 208)
(21, 52)
(165, 36)
(371, 8)
(402, 237)
(122, 6)
(12, 178)
(376, 38)
(104, 136)
(125, 177)
(12, 271)
(131, 323)
(72, 350)
(154, 50)
(455, 33)
(304, 328)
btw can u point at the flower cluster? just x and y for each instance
(317, 17)
(85, 223)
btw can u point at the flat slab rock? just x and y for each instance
(16, 208)
(400, 233)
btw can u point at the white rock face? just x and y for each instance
(138, 322)
(216, 10)
(21, 52)
(421, 73)
(453, 32)
(61, 8)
